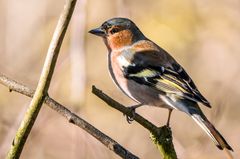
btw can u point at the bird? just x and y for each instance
(149, 75)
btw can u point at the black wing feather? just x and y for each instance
(156, 61)
(182, 74)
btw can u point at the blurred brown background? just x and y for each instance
(202, 35)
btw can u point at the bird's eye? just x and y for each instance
(114, 30)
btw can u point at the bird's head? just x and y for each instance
(118, 33)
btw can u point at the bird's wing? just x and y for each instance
(160, 71)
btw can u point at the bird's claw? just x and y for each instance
(130, 118)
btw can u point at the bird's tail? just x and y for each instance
(212, 132)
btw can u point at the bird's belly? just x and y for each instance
(138, 92)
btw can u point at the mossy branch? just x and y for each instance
(161, 136)
(44, 82)
(163, 141)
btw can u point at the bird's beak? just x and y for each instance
(98, 31)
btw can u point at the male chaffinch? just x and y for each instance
(150, 76)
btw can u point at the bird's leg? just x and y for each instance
(169, 116)
(132, 109)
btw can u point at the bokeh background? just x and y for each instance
(203, 36)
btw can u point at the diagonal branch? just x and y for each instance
(116, 105)
(44, 82)
(71, 117)
(161, 136)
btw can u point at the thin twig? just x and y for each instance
(71, 117)
(161, 136)
(44, 82)
(116, 105)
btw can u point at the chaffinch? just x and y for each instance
(149, 75)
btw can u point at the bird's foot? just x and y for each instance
(130, 118)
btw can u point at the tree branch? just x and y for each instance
(71, 117)
(161, 136)
(44, 82)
